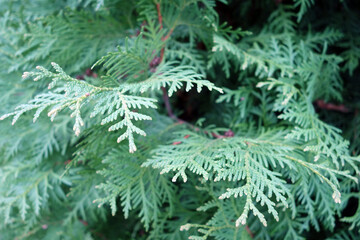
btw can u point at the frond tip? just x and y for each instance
(337, 196)
(68, 92)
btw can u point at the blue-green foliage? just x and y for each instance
(95, 154)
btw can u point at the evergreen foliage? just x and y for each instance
(181, 119)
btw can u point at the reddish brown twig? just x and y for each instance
(168, 106)
(85, 223)
(165, 94)
(160, 19)
(159, 15)
(168, 35)
(227, 134)
(161, 27)
(67, 161)
(88, 73)
(330, 106)
(249, 231)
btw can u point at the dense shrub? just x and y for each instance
(179, 119)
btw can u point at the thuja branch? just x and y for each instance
(165, 94)
(168, 107)
(68, 92)
(160, 19)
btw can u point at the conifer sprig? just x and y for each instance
(75, 94)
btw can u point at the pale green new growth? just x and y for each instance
(242, 159)
(113, 102)
(75, 95)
